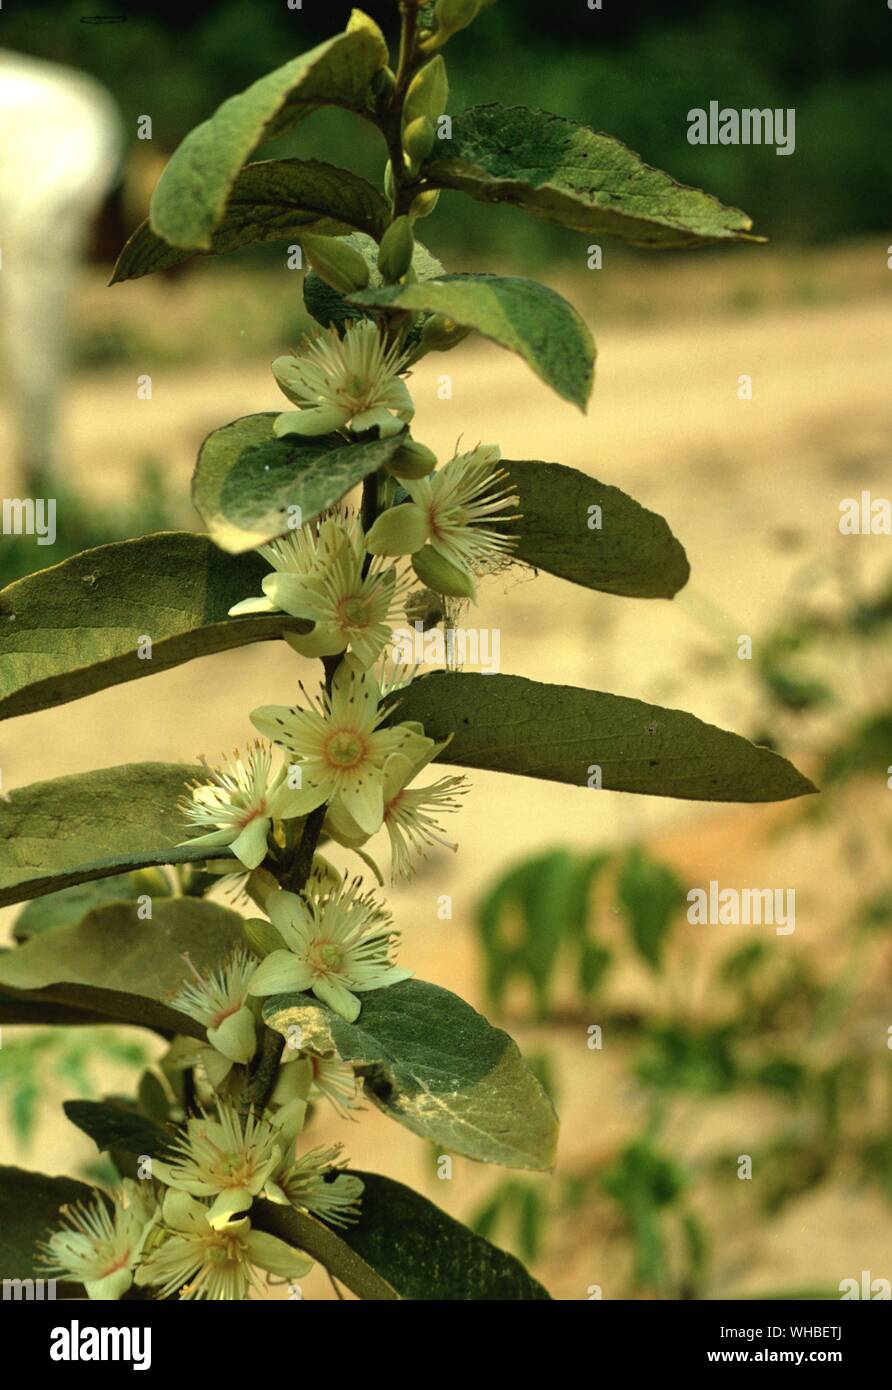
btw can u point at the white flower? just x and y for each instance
(314, 1078)
(199, 1262)
(338, 946)
(410, 814)
(312, 1184)
(230, 1158)
(219, 1001)
(347, 607)
(100, 1243)
(451, 511)
(299, 555)
(242, 801)
(344, 382)
(339, 748)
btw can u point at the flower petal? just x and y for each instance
(338, 997)
(250, 845)
(399, 531)
(273, 1255)
(280, 973)
(236, 1036)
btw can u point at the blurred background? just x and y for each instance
(674, 1053)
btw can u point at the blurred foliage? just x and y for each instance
(797, 1042)
(178, 63)
(67, 1055)
(82, 523)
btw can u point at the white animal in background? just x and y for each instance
(61, 144)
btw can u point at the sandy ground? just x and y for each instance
(752, 488)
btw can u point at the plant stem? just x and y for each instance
(323, 1245)
(261, 1085)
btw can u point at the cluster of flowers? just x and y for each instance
(187, 1228)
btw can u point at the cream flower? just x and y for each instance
(338, 746)
(300, 555)
(344, 382)
(242, 802)
(219, 1001)
(197, 1261)
(451, 511)
(410, 813)
(313, 1078)
(346, 606)
(100, 1244)
(338, 946)
(230, 1158)
(311, 1184)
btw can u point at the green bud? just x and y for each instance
(389, 188)
(442, 575)
(383, 84)
(425, 607)
(396, 250)
(452, 15)
(338, 264)
(261, 883)
(412, 460)
(418, 141)
(440, 334)
(424, 204)
(262, 937)
(428, 93)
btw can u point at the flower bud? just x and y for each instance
(412, 460)
(383, 84)
(339, 264)
(395, 253)
(428, 93)
(452, 15)
(418, 141)
(440, 334)
(424, 204)
(262, 937)
(442, 575)
(389, 187)
(398, 531)
(425, 607)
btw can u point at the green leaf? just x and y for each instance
(112, 1126)
(521, 315)
(331, 309)
(80, 626)
(270, 201)
(566, 173)
(559, 732)
(246, 480)
(649, 894)
(190, 200)
(434, 1064)
(426, 1255)
(31, 1204)
(93, 825)
(122, 967)
(631, 551)
(68, 905)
